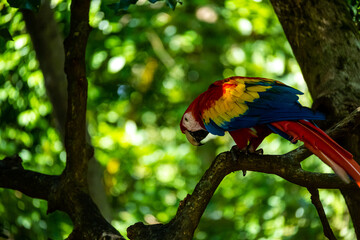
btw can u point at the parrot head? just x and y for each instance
(192, 126)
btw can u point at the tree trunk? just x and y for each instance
(48, 44)
(326, 45)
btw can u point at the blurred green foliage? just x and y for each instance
(355, 11)
(144, 67)
(125, 4)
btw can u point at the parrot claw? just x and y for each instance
(248, 150)
(260, 151)
(235, 155)
(235, 152)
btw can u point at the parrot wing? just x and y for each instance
(241, 102)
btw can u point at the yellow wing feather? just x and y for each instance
(233, 101)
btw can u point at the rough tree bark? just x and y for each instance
(326, 44)
(48, 44)
(72, 194)
(69, 191)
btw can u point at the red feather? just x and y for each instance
(250, 138)
(319, 143)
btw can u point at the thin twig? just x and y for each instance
(315, 199)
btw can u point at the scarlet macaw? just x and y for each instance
(252, 108)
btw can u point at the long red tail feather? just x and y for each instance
(319, 143)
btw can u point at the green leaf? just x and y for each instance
(4, 33)
(122, 5)
(32, 5)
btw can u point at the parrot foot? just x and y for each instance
(235, 155)
(235, 152)
(260, 151)
(248, 150)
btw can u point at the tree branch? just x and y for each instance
(87, 219)
(315, 199)
(287, 166)
(33, 184)
(68, 192)
(48, 44)
(75, 69)
(72, 194)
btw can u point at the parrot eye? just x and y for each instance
(186, 120)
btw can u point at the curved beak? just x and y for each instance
(195, 137)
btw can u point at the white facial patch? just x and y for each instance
(190, 123)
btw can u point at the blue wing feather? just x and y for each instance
(213, 128)
(278, 103)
